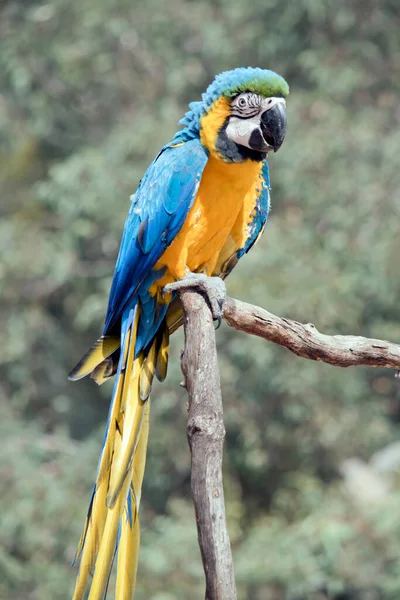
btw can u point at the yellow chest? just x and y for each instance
(220, 215)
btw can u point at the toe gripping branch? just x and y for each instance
(213, 288)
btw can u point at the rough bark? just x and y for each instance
(206, 433)
(305, 340)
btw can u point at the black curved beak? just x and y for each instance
(273, 125)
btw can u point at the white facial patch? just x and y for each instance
(240, 130)
(243, 122)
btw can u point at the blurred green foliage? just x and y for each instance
(89, 91)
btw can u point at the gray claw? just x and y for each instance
(212, 287)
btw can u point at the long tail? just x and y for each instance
(112, 523)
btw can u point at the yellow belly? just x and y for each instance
(219, 217)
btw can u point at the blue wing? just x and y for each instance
(260, 214)
(157, 213)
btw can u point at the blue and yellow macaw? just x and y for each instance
(200, 206)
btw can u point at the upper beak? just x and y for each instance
(273, 125)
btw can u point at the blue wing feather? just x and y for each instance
(260, 215)
(157, 213)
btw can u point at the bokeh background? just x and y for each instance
(89, 91)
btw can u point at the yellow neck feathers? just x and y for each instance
(212, 122)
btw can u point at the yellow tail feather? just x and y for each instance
(103, 371)
(162, 356)
(108, 545)
(100, 350)
(113, 514)
(147, 374)
(90, 541)
(174, 317)
(128, 549)
(132, 405)
(128, 552)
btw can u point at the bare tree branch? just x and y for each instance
(306, 341)
(206, 433)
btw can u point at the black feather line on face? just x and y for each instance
(252, 107)
(232, 152)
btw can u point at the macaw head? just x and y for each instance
(242, 115)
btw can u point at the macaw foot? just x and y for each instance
(212, 287)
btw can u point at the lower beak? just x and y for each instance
(273, 125)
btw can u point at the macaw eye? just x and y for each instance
(242, 102)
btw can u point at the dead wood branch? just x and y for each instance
(206, 433)
(305, 340)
